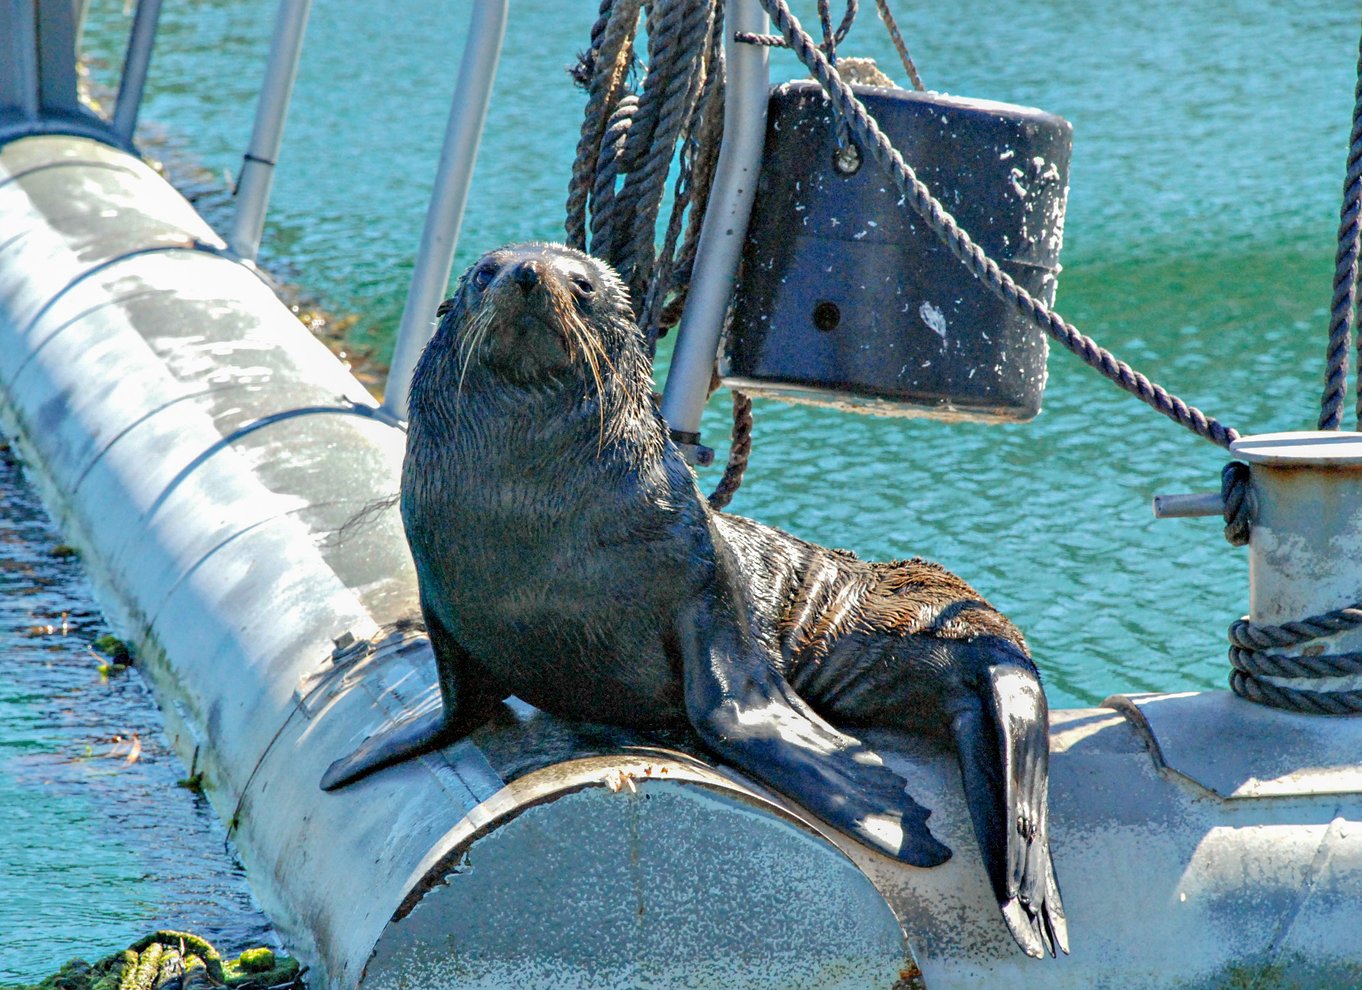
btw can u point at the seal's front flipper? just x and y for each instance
(469, 698)
(747, 713)
(408, 738)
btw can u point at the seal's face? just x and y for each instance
(534, 314)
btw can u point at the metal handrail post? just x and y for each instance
(135, 65)
(257, 166)
(25, 42)
(725, 226)
(444, 216)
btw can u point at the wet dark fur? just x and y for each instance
(565, 555)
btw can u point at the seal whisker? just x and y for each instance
(590, 349)
(469, 343)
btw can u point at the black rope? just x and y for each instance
(1343, 304)
(1256, 671)
(1237, 495)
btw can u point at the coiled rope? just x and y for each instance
(1253, 666)
(636, 118)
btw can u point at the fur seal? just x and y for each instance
(565, 555)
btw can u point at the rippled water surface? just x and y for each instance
(97, 845)
(1209, 150)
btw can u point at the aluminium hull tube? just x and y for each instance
(229, 488)
(225, 480)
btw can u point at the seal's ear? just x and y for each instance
(446, 306)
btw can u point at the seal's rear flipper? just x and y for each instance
(747, 713)
(408, 738)
(1004, 752)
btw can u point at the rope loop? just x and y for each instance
(1295, 699)
(1255, 672)
(738, 453)
(1237, 494)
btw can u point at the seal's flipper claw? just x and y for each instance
(749, 714)
(899, 831)
(408, 738)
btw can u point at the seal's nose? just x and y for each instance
(525, 275)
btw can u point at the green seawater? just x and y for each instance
(1209, 148)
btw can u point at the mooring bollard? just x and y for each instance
(1305, 565)
(1305, 548)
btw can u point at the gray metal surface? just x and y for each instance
(1274, 753)
(444, 215)
(747, 89)
(267, 133)
(1166, 884)
(228, 484)
(722, 895)
(1187, 506)
(38, 72)
(1305, 545)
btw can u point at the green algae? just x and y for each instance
(114, 649)
(169, 960)
(114, 652)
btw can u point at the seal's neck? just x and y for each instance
(472, 413)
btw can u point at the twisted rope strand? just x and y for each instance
(1344, 301)
(892, 26)
(612, 39)
(1252, 636)
(1295, 699)
(1237, 495)
(738, 452)
(664, 278)
(604, 228)
(665, 108)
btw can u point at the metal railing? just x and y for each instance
(444, 215)
(31, 102)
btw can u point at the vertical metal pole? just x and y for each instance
(135, 65)
(472, 92)
(26, 51)
(78, 10)
(725, 226)
(257, 166)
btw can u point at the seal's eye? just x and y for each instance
(582, 285)
(482, 277)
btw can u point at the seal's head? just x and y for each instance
(538, 315)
